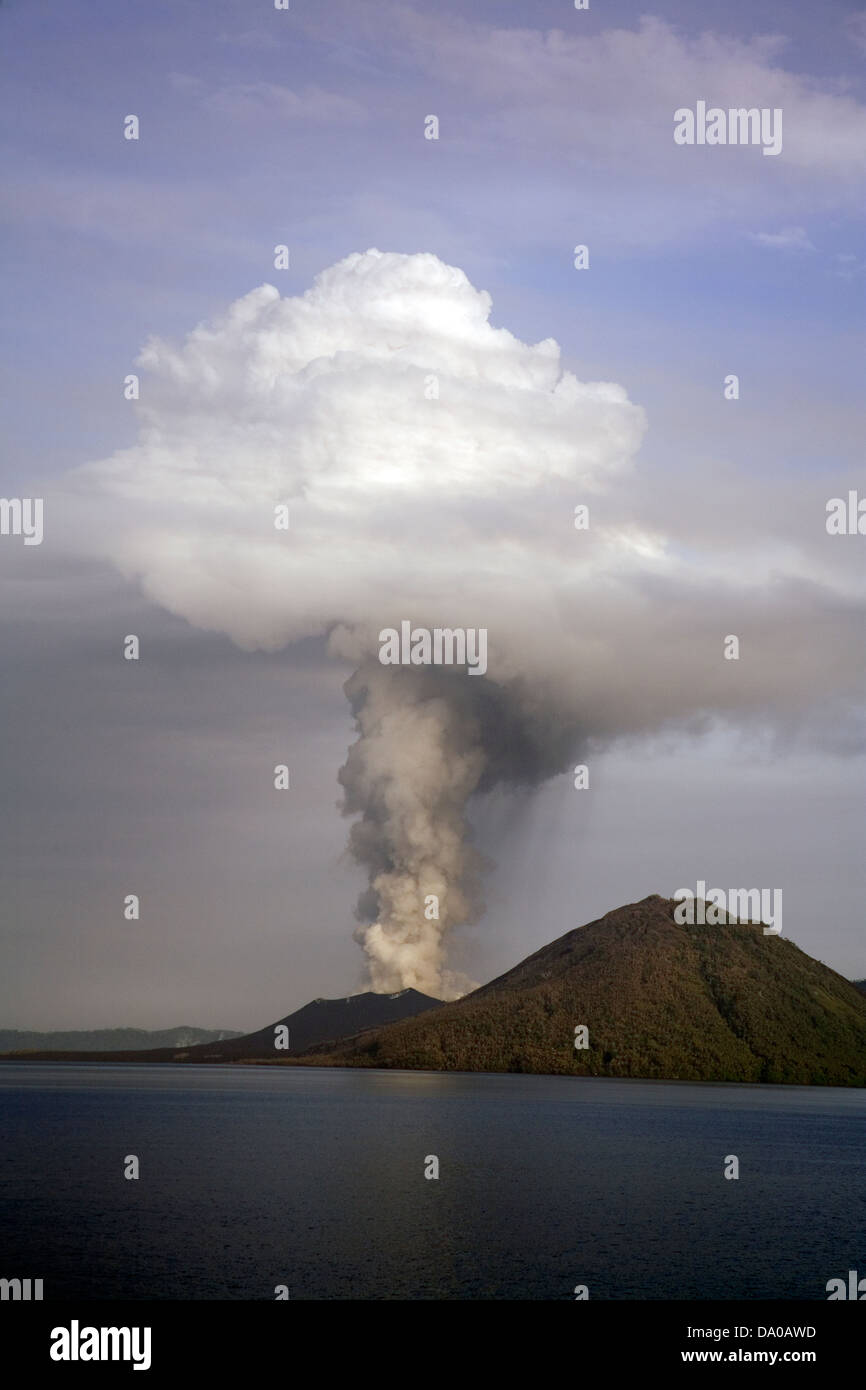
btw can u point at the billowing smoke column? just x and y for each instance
(431, 465)
(417, 761)
(429, 739)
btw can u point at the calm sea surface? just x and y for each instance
(312, 1178)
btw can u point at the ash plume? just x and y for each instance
(427, 741)
(431, 465)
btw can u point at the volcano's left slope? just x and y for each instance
(319, 1022)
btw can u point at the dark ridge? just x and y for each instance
(322, 1021)
(110, 1039)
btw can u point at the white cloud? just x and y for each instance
(272, 100)
(848, 265)
(612, 95)
(788, 239)
(320, 401)
(400, 504)
(855, 26)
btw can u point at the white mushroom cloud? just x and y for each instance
(431, 464)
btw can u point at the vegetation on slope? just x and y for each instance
(662, 1000)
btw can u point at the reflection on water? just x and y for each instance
(314, 1178)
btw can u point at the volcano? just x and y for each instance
(656, 999)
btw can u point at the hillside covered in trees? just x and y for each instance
(657, 999)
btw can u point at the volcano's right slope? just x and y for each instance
(659, 999)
